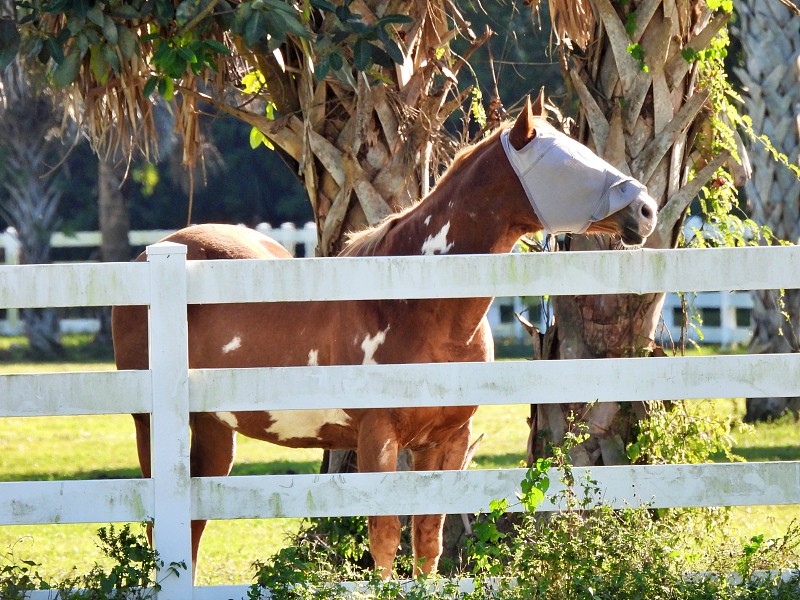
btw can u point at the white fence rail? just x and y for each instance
(299, 241)
(170, 390)
(732, 309)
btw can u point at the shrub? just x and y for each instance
(132, 577)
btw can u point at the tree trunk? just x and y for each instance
(771, 75)
(114, 221)
(27, 117)
(644, 122)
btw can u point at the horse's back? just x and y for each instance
(203, 242)
(216, 241)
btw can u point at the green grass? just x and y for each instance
(68, 447)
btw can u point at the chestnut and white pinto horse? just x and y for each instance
(526, 178)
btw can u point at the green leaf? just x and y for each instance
(323, 5)
(630, 24)
(67, 72)
(80, 7)
(187, 55)
(257, 138)
(127, 42)
(380, 57)
(362, 54)
(9, 42)
(294, 26)
(95, 15)
(322, 69)
(217, 47)
(164, 11)
(76, 25)
(166, 87)
(254, 28)
(111, 57)
(344, 14)
(393, 50)
(110, 30)
(280, 6)
(52, 47)
(150, 86)
(126, 11)
(335, 60)
(395, 19)
(98, 63)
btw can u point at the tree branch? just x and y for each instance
(791, 6)
(198, 17)
(680, 200)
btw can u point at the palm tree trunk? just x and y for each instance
(644, 121)
(31, 194)
(772, 80)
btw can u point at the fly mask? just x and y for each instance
(568, 185)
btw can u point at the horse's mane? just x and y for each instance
(364, 242)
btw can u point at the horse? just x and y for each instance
(523, 178)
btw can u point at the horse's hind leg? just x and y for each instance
(426, 530)
(377, 452)
(212, 452)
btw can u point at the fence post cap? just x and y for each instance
(163, 248)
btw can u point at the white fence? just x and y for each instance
(300, 242)
(729, 313)
(169, 391)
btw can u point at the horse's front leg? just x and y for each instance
(426, 530)
(377, 452)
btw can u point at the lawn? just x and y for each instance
(68, 447)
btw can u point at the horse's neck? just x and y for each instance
(473, 210)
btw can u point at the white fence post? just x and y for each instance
(288, 237)
(310, 239)
(170, 420)
(11, 247)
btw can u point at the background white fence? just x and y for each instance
(725, 315)
(169, 390)
(299, 241)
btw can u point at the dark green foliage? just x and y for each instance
(249, 186)
(131, 577)
(9, 42)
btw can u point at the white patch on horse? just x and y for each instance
(437, 244)
(234, 344)
(228, 418)
(313, 358)
(427, 220)
(370, 345)
(293, 424)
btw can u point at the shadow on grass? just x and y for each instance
(266, 468)
(767, 453)
(509, 460)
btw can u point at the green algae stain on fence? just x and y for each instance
(21, 509)
(275, 505)
(311, 506)
(135, 504)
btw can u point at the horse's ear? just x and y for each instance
(538, 106)
(523, 130)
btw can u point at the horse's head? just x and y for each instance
(570, 188)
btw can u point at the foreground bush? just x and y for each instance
(631, 554)
(132, 576)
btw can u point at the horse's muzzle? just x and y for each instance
(640, 221)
